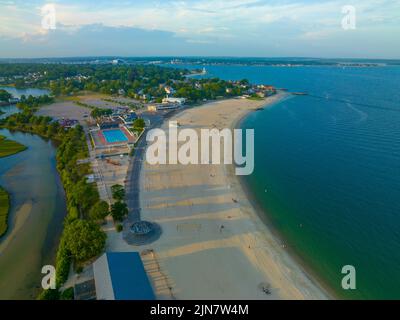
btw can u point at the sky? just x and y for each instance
(252, 28)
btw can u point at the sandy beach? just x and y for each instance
(196, 258)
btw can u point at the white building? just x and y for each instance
(179, 101)
(160, 107)
(117, 61)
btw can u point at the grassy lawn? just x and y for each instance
(255, 98)
(4, 208)
(84, 95)
(9, 147)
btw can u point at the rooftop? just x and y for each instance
(121, 276)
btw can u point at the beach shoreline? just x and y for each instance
(213, 243)
(263, 214)
(209, 224)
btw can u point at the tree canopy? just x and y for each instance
(98, 112)
(119, 210)
(33, 103)
(118, 192)
(138, 81)
(99, 211)
(84, 239)
(139, 124)
(5, 95)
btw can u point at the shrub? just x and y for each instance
(119, 227)
(67, 294)
(118, 192)
(139, 124)
(99, 211)
(73, 214)
(50, 294)
(63, 264)
(119, 210)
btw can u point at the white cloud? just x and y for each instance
(210, 21)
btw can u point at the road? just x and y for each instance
(132, 185)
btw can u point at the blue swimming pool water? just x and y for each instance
(115, 135)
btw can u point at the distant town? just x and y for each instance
(212, 61)
(143, 83)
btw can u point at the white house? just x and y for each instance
(158, 107)
(179, 101)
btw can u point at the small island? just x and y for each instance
(9, 147)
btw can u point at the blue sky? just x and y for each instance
(201, 27)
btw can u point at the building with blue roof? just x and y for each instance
(121, 276)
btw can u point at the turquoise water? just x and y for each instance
(327, 170)
(113, 136)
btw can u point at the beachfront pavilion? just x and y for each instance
(121, 276)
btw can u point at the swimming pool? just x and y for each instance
(115, 135)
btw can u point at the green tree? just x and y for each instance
(99, 211)
(118, 192)
(139, 124)
(84, 239)
(4, 95)
(119, 227)
(98, 112)
(119, 210)
(85, 196)
(63, 263)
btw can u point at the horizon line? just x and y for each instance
(196, 56)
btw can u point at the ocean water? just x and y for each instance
(327, 170)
